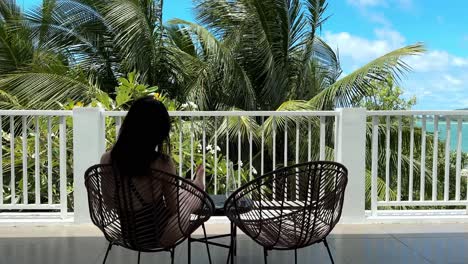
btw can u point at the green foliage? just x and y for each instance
(35, 163)
(130, 88)
(255, 56)
(387, 96)
(418, 170)
(250, 55)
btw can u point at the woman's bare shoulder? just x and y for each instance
(164, 163)
(106, 158)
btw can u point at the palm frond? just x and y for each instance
(8, 101)
(134, 24)
(9, 11)
(236, 85)
(243, 126)
(45, 90)
(353, 87)
(316, 10)
(181, 39)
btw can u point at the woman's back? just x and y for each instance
(138, 188)
(143, 203)
(142, 182)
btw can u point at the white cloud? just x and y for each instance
(378, 18)
(436, 60)
(438, 90)
(403, 4)
(366, 3)
(464, 102)
(438, 78)
(452, 80)
(362, 50)
(373, 9)
(432, 61)
(460, 62)
(393, 37)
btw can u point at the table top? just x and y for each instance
(219, 201)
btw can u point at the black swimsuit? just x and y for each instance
(144, 226)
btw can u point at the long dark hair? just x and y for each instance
(143, 137)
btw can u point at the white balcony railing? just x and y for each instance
(237, 146)
(414, 138)
(33, 160)
(287, 134)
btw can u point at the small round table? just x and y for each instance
(219, 201)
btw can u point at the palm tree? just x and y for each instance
(276, 54)
(76, 48)
(279, 61)
(248, 54)
(34, 73)
(243, 54)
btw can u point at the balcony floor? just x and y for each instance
(383, 243)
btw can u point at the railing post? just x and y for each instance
(88, 146)
(351, 152)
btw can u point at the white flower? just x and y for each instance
(192, 105)
(184, 105)
(254, 171)
(240, 163)
(6, 135)
(464, 172)
(212, 149)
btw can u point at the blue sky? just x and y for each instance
(364, 29)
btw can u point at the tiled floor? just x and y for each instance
(405, 243)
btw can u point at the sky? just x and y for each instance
(362, 30)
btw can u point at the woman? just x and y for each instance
(142, 149)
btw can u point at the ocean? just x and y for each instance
(442, 128)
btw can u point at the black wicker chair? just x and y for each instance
(292, 207)
(150, 215)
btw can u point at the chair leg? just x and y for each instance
(328, 249)
(229, 256)
(234, 229)
(107, 252)
(265, 255)
(189, 247)
(206, 242)
(233, 243)
(139, 256)
(172, 255)
(295, 256)
(229, 261)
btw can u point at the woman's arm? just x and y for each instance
(166, 164)
(190, 203)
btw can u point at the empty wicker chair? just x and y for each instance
(151, 215)
(292, 207)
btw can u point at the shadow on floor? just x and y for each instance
(399, 248)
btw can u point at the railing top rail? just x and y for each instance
(36, 113)
(244, 113)
(418, 112)
(236, 113)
